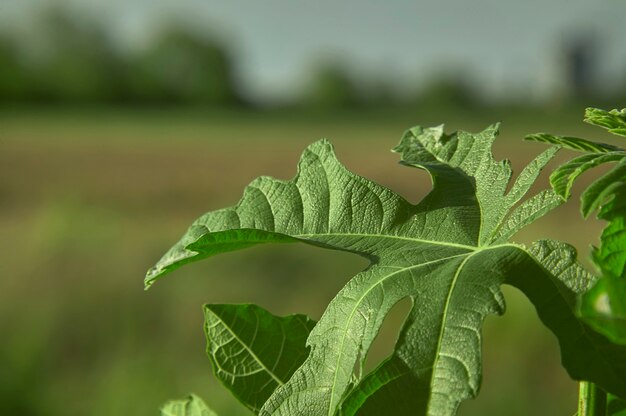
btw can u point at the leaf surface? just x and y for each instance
(192, 405)
(614, 121)
(448, 254)
(573, 143)
(603, 307)
(253, 351)
(563, 178)
(551, 278)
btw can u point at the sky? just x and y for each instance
(500, 45)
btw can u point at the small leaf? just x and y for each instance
(562, 179)
(253, 351)
(573, 143)
(192, 405)
(614, 121)
(604, 189)
(610, 257)
(603, 307)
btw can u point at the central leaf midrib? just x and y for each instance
(358, 303)
(384, 236)
(443, 323)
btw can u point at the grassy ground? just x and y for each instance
(89, 199)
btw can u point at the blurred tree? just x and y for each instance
(14, 82)
(79, 64)
(448, 92)
(332, 88)
(181, 68)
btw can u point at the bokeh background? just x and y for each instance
(122, 121)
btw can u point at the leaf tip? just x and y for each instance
(151, 276)
(321, 143)
(495, 128)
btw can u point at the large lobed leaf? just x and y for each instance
(449, 254)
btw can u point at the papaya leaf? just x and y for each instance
(563, 178)
(585, 353)
(572, 143)
(448, 254)
(190, 406)
(551, 278)
(603, 307)
(252, 351)
(605, 193)
(614, 121)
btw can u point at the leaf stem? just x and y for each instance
(591, 400)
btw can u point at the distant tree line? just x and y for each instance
(81, 66)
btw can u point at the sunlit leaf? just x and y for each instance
(603, 307)
(573, 143)
(614, 121)
(449, 254)
(563, 178)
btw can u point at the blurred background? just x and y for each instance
(123, 121)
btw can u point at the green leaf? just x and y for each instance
(604, 190)
(563, 178)
(192, 405)
(614, 121)
(529, 174)
(252, 351)
(585, 354)
(573, 143)
(603, 307)
(610, 257)
(551, 279)
(446, 253)
(527, 212)
(471, 165)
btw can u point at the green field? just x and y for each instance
(89, 199)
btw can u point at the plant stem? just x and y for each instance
(591, 400)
